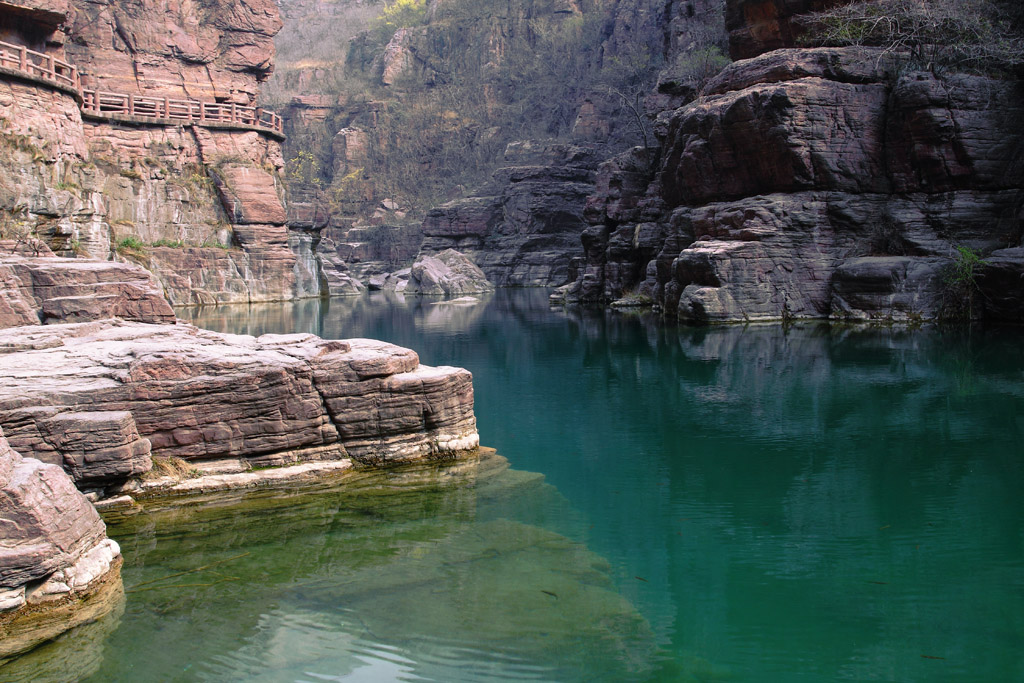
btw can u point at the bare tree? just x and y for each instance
(977, 34)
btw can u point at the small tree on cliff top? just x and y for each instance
(975, 34)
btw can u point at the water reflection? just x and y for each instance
(813, 503)
(427, 572)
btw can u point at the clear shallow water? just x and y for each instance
(748, 504)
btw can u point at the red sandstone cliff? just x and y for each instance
(204, 198)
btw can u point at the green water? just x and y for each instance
(741, 504)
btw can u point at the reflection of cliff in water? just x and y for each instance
(340, 317)
(418, 567)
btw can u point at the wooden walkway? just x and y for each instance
(47, 68)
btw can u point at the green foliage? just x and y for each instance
(961, 283)
(401, 14)
(67, 185)
(304, 167)
(130, 246)
(973, 34)
(174, 244)
(130, 173)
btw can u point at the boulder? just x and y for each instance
(57, 567)
(449, 272)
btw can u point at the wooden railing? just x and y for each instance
(49, 68)
(38, 65)
(167, 109)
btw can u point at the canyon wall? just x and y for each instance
(826, 182)
(197, 202)
(495, 114)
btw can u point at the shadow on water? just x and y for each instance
(755, 503)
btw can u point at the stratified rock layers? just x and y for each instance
(57, 567)
(197, 395)
(812, 183)
(523, 228)
(199, 203)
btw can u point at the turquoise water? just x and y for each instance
(741, 504)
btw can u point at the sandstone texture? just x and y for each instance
(57, 567)
(176, 391)
(48, 290)
(214, 51)
(523, 228)
(449, 272)
(813, 183)
(84, 184)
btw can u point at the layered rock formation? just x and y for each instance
(811, 183)
(101, 397)
(46, 290)
(57, 567)
(203, 199)
(523, 228)
(215, 51)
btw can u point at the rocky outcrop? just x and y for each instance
(49, 290)
(811, 183)
(351, 255)
(177, 391)
(87, 184)
(57, 567)
(449, 273)
(523, 228)
(214, 52)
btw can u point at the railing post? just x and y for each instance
(131, 105)
(75, 83)
(23, 58)
(202, 112)
(234, 112)
(167, 108)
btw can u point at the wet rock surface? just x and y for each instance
(57, 567)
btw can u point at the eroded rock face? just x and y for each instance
(57, 567)
(446, 273)
(199, 395)
(84, 184)
(215, 51)
(50, 290)
(811, 183)
(523, 228)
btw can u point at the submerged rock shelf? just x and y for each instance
(92, 403)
